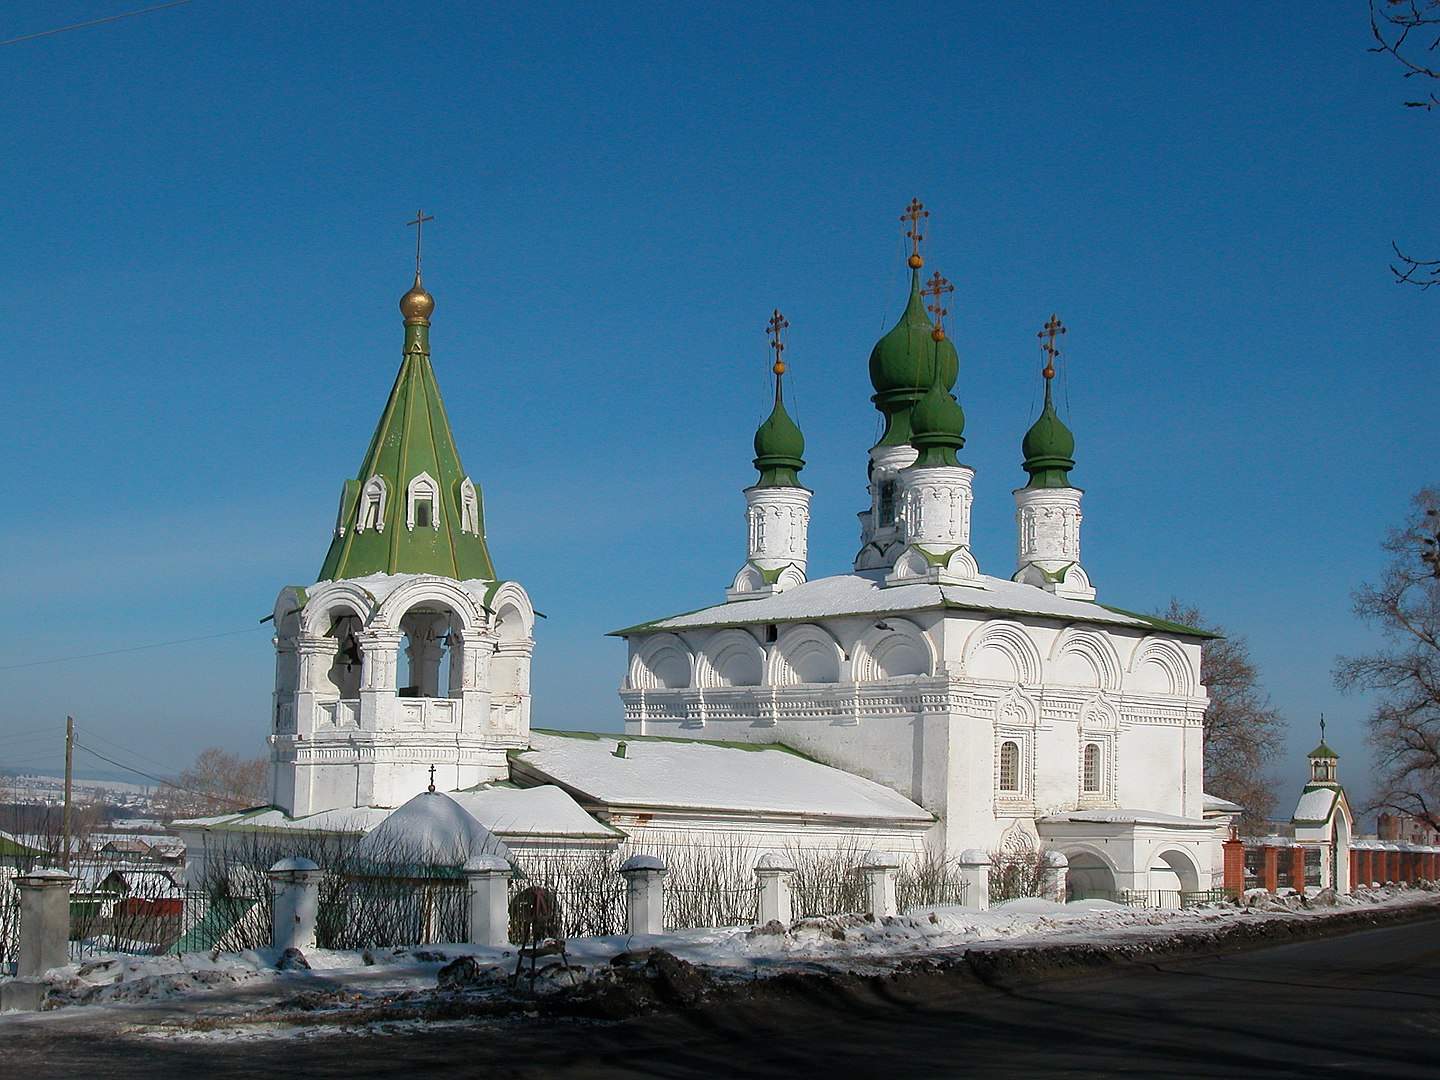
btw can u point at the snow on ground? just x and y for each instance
(194, 988)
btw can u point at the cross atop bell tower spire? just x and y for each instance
(937, 287)
(1052, 328)
(777, 324)
(419, 223)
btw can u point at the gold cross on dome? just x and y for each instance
(777, 324)
(419, 224)
(937, 287)
(914, 214)
(1052, 328)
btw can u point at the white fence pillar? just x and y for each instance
(975, 876)
(1058, 867)
(487, 878)
(878, 869)
(773, 872)
(295, 883)
(44, 922)
(644, 894)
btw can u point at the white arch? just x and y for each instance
(663, 662)
(1159, 666)
(436, 590)
(898, 649)
(1181, 862)
(1002, 651)
(1095, 654)
(326, 598)
(1091, 871)
(731, 657)
(507, 597)
(804, 654)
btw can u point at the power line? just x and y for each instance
(132, 648)
(133, 753)
(158, 779)
(95, 22)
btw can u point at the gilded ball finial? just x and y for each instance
(779, 367)
(417, 304)
(938, 334)
(916, 261)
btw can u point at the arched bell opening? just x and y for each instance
(429, 664)
(342, 677)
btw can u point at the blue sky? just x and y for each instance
(204, 233)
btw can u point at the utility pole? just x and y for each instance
(69, 756)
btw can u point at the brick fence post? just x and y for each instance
(487, 887)
(772, 873)
(644, 894)
(878, 869)
(295, 882)
(1234, 866)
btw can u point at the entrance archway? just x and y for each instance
(1090, 877)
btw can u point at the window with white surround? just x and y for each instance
(372, 505)
(420, 503)
(1009, 766)
(469, 508)
(1090, 775)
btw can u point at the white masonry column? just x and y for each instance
(935, 503)
(975, 878)
(1048, 556)
(295, 882)
(878, 868)
(772, 874)
(44, 922)
(1057, 867)
(487, 880)
(779, 539)
(644, 894)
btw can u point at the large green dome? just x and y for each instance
(1049, 449)
(779, 449)
(905, 362)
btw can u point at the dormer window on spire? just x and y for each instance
(420, 503)
(469, 508)
(371, 514)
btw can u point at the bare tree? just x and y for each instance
(219, 782)
(1405, 606)
(1242, 731)
(1409, 31)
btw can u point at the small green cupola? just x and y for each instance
(909, 359)
(779, 443)
(1049, 446)
(411, 509)
(1324, 762)
(938, 421)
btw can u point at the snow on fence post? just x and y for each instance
(1057, 869)
(487, 880)
(644, 894)
(44, 922)
(295, 882)
(878, 869)
(773, 872)
(975, 877)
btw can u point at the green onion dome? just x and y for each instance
(939, 425)
(905, 362)
(779, 446)
(1049, 449)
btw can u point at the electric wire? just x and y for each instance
(158, 779)
(95, 22)
(130, 649)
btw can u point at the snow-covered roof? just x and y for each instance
(695, 775)
(1213, 804)
(1127, 817)
(1316, 804)
(538, 812)
(432, 829)
(863, 593)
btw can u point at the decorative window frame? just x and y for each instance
(373, 497)
(422, 487)
(469, 508)
(1021, 791)
(1105, 770)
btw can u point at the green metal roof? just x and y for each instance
(412, 439)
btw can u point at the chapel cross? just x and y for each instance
(914, 214)
(432, 777)
(1053, 327)
(777, 324)
(937, 287)
(419, 224)
(1322, 727)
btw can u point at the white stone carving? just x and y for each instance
(1048, 523)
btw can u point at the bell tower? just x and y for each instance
(409, 653)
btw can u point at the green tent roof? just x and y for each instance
(412, 442)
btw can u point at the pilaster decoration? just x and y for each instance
(777, 507)
(1047, 509)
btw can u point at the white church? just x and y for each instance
(911, 704)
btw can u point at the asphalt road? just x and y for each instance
(1365, 1004)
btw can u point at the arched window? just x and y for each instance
(372, 505)
(469, 508)
(1009, 766)
(887, 503)
(420, 508)
(1090, 768)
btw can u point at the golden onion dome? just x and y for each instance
(417, 304)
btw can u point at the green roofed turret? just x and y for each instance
(412, 509)
(906, 362)
(1049, 446)
(779, 443)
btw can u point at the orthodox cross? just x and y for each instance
(914, 214)
(1322, 727)
(432, 777)
(1052, 328)
(937, 287)
(419, 224)
(777, 324)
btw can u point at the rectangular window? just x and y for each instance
(887, 503)
(422, 513)
(1091, 768)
